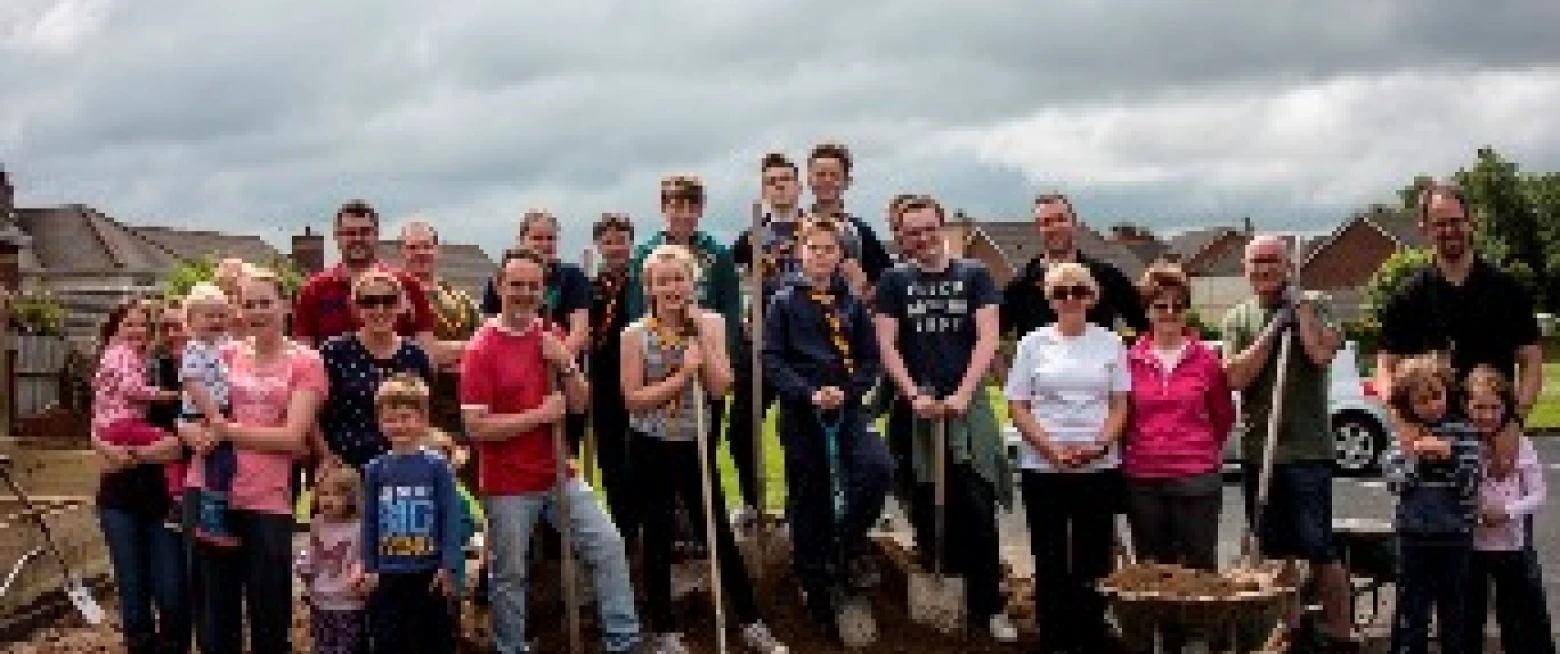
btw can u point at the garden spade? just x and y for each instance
(705, 479)
(936, 598)
(853, 613)
(1251, 552)
(566, 531)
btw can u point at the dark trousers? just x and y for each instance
(970, 547)
(1176, 520)
(741, 433)
(407, 615)
(864, 475)
(1071, 529)
(667, 471)
(221, 464)
(338, 632)
(149, 571)
(617, 476)
(1520, 607)
(1431, 577)
(249, 579)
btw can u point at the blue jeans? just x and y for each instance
(510, 519)
(148, 561)
(1297, 522)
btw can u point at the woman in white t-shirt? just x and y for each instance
(1067, 392)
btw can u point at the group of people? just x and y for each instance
(386, 379)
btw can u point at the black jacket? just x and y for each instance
(798, 356)
(1025, 307)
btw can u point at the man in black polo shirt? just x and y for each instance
(1024, 304)
(1462, 306)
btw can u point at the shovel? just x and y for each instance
(937, 599)
(853, 613)
(1251, 552)
(565, 527)
(706, 482)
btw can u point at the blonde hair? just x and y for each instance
(402, 390)
(674, 254)
(264, 276)
(375, 277)
(1418, 373)
(1070, 273)
(345, 480)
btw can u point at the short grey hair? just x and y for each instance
(1266, 240)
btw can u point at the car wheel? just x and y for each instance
(1359, 441)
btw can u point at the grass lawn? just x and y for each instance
(1546, 414)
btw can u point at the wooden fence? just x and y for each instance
(39, 362)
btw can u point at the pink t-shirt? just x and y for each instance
(259, 396)
(121, 387)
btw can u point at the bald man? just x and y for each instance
(1296, 523)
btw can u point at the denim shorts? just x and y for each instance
(1297, 523)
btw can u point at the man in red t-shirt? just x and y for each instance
(324, 306)
(510, 408)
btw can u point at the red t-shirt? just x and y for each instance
(503, 372)
(324, 308)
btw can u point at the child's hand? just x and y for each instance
(1432, 448)
(444, 583)
(366, 583)
(1493, 516)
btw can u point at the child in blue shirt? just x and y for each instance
(1436, 479)
(411, 538)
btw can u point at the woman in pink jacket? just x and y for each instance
(1182, 411)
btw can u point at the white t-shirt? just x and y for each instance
(1067, 382)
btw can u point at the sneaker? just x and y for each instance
(1002, 629)
(667, 643)
(854, 624)
(757, 638)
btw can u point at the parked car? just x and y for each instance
(1359, 419)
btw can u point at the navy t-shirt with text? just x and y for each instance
(936, 314)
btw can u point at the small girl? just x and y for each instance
(205, 380)
(332, 565)
(1437, 483)
(122, 387)
(1500, 549)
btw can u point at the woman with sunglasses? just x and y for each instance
(1067, 393)
(357, 362)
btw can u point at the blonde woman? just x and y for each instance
(1067, 393)
(664, 355)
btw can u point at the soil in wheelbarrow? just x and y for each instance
(781, 603)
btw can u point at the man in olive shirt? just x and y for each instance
(1296, 523)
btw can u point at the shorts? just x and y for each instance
(1297, 523)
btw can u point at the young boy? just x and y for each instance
(411, 531)
(1436, 479)
(820, 353)
(204, 378)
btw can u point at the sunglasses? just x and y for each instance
(1076, 292)
(1169, 307)
(378, 300)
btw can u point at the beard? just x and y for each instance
(357, 254)
(1454, 249)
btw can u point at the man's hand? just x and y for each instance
(118, 457)
(828, 398)
(925, 407)
(366, 583)
(957, 404)
(553, 407)
(554, 352)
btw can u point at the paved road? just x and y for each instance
(1362, 498)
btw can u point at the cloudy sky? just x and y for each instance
(262, 116)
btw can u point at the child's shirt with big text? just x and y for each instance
(410, 522)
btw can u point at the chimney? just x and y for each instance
(12, 239)
(308, 251)
(1245, 224)
(7, 197)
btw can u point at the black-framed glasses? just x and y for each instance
(1074, 292)
(378, 300)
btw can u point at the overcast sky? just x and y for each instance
(263, 116)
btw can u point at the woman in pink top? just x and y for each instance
(1182, 411)
(275, 389)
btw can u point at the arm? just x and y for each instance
(578, 337)
(1220, 405)
(165, 450)
(888, 350)
(371, 519)
(1530, 477)
(114, 457)
(118, 374)
(864, 347)
(715, 374)
(452, 549)
(1243, 367)
(789, 384)
(303, 406)
(1318, 336)
(484, 425)
(1530, 377)
(985, 349)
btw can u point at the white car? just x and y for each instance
(1359, 419)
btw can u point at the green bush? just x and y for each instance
(37, 312)
(186, 275)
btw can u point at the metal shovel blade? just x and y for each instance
(856, 625)
(937, 601)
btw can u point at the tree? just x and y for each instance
(187, 274)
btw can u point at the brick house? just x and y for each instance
(1343, 262)
(1006, 246)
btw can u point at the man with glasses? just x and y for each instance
(324, 305)
(1024, 306)
(1296, 522)
(936, 324)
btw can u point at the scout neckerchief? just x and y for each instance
(836, 324)
(776, 251)
(609, 285)
(670, 338)
(453, 312)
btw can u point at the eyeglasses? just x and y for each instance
(776, 180)
(361, 232)
(1169, 307)
(378, 300)
(1075, 292)
(1266, 261)
(517, 285)
(258, 305)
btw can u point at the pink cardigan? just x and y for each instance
(1180, 418)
